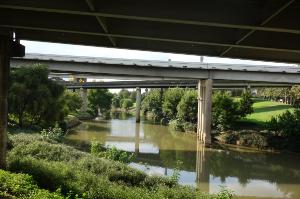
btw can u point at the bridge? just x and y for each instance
(249, 29)
(160, 70)
(168, 84)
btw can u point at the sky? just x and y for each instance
(90, 51)
(79, 50)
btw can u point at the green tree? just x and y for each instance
(171, 100)
(124, 94)
(152, 102)
(116, 101)
(34, 99)
(246, 104)
(188, 107)
(99, 98)
(126, 103)
(133, 96)
(73, 101)
(225, 112)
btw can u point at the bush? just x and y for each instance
(188, 107)
(189, 127)
(56, 166)
(287, 126)
(172, 97)
(22, 186)
(246, 104)
(253, 140)
(126, 103)
(225, 112)
(55, 133)
(176, 125)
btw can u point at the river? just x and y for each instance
(250, 174)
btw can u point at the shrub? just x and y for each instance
(126, 103)
(172, 97)
(246, 104)
(22, 186)
(188, 107)
(225, 112)
(55, 133)
(176, 125)
(117, 155)
(189, 127)
(229, 137)
(90, 177)
(253, 140)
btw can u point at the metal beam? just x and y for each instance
(151, 38)
(153, 19)
(262, 24)
(101, 21)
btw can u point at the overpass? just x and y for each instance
(168, 84)
(159, 70)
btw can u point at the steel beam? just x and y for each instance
(152, 19)
(262, 24)
(152, 38)
(101, 21)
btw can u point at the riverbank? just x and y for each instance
(54, 166)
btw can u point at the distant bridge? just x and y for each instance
(160, 70)
(168, 84)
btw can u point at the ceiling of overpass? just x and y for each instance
(250, 29)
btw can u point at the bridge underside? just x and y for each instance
(248, 29)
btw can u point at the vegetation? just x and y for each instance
(152, 103)
(53, 166)
(126, 104)
(287, 127)
(34, 99)
(99, 99)
(172, 98)
(23, 186)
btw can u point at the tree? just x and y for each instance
(99, 98)
(124, 94)
(225, 112)
(246, 104)
(133, 96)
(34, 99)
(116, 101)
(152, 102)
(188, 107)
(126, 103)
(73, 101)
(171, 100)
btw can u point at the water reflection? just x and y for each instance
(248, 173)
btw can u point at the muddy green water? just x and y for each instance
(250, 174)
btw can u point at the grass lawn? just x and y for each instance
(264, 110)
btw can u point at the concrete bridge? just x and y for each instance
(160, 70)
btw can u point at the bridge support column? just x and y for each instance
(204, 111)
(83, 94)
(4, 74)
(138, 105)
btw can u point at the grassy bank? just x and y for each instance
(264, 110)
(52, 166)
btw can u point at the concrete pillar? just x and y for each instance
(138, 105)
(137, 139)
(83, 94)
(202, 169)
(204, 111)
(4, 74)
